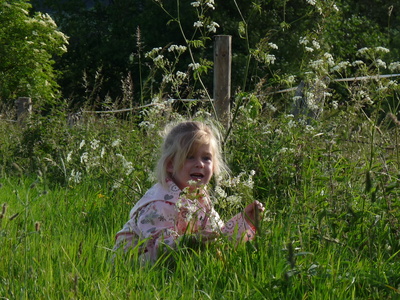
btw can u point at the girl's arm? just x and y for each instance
(244, 231)
(244, 224)
(156, 222)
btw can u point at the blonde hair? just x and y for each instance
(183, 139)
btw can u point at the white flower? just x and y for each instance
(271, 107)
(357, 63)
(272, 46)
(198, 24)
(158, 58)
(82, 144)
(278, 131)
(329, 59)
(75, 176)
(153, 52)
(168, 78)
(116, 143)
(394, 66)
(340, 66)
(317, 64)
(212, 27)
(297, 98)
(382, 49)
(84, 157)
(270, 58)
(69, 156)
(380, 63)
(316, 44)
(177, 48)
(194, 66)
(303, 41)
(291, 79)
(309, 129)
(94, 144)
(309, 49)
(195, 4)
(291, 124)
(117, 183)
(363, 50)
(234, 200)
(181, 75)
(146, 124)
(210, 4)
(311, 2)
(221, 193)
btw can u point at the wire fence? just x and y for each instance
(171, 100)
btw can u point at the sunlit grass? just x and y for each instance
(69, 255)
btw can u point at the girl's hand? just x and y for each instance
(253, 212)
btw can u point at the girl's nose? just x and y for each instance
(199, 163)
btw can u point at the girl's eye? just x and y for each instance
(207, 158)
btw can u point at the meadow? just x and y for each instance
(313, 135)
(330, 189)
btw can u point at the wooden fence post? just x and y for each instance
(24, 108)
(222, 77)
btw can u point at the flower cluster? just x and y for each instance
(93, 157)
(240, 189)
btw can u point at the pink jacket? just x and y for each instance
(163, 216)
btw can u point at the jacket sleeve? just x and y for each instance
(239, 226)
(156, 222)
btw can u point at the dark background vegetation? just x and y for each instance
(108, 36)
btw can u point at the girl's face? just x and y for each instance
(198, 167)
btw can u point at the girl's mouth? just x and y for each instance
(196, 176)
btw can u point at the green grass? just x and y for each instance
(70, 257)
(331, 229)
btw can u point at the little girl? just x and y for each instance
(179, 203)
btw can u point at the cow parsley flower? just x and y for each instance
(382, 49)
(272, 46)
(82, 144)
(84, 157)
(394, 66)
(212, 27)
(69, 156)
(179, 49)
(316, 44)
(210, 4)
(76, 177)
(194, 66)
(116, 143)
(94, 144)
(380, 63)
(198, 24)
(309, 49)
(270, 59)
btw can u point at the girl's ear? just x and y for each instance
(170, 167)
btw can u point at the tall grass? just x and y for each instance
(330, 230)
(330, 185)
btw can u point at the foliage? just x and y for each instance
(27, 46)
(323, 159)
(112, 38)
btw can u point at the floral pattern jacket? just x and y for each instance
(165, 214)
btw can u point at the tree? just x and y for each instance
(27, 46)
